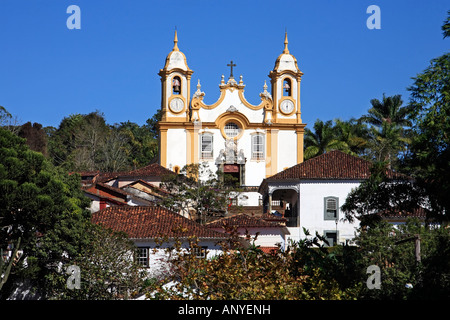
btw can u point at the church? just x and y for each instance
(249, 142)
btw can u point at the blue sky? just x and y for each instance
(111, 64)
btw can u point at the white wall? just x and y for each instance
(287, 149)
(231, 99)
(312, 194)
(159, 258)
(176, 148)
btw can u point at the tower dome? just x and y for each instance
(286, 61)
(176, 59)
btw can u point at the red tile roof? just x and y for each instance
(152, 222)
(398, 214)
(331, 165)
(244, 221)
(153, 170)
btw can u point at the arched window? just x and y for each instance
(287, 87)
(176, 169)
(176, 85)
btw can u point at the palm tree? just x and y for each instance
(355, 134)
(389, 110)
(324, 138)
(388, 133)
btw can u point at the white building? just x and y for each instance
(249, 142)
(153, 229)
(311, 194)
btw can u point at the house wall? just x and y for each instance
(311, 209)
(267, 237)
(159, 258)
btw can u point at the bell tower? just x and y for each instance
(285, 80)
(175, 86)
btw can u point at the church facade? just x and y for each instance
(249, 142)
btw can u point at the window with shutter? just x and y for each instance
(258, 147)
(331, 208)
(206, 146)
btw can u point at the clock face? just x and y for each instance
(287, 106)
(176, 105)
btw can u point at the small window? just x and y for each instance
(176, 169)
(287, 87)
(258, 147)
(143, 257)
(206, 141)
(200, 252)
(176, 85)
(331, 208)
(232, 130)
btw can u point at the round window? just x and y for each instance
(232, 130)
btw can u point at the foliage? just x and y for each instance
(88, 143)
(388, 134)
(199, 192)
(108, 269)
(35, 137)
(42, 206)
(428, 157)
(402, 277)
(322, 139)
(381, 194)
(446, 26)
(242, 273)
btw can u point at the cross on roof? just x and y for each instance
(231, 64)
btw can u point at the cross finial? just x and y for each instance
(231, 64)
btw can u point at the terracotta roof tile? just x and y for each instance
(151, 222)
(153, 169)
(331, 165)
(395, 213)
(245, 221)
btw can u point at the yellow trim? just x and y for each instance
(237, 117)
(300, 136)
(198, 103)
(299, 110)
(269, 153)
(163, 147)
(274, 153)
(247, 104)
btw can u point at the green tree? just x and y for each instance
(388, 134)
(199, 192)
(428, 157)
(242, 273)
(108, 269)
(324, 138)
(354, 134)
(446, 26)
(42, 206)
